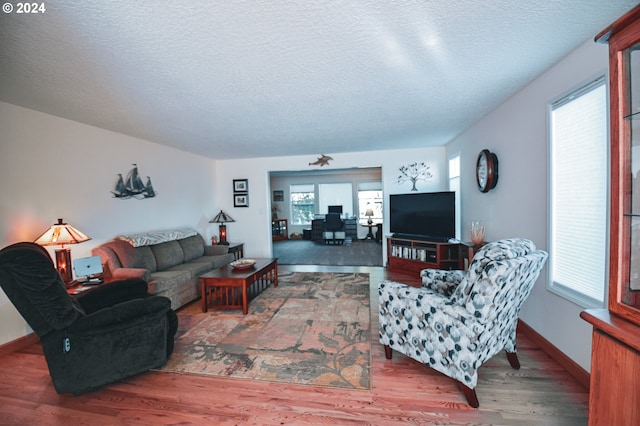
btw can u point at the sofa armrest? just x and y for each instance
(216, 250)
(130, 273)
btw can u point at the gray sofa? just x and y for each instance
(169, 261)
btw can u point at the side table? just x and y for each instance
(237, 249)
(370, 233)
(77, 287)
(471, 249)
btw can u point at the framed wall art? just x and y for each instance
(240, 200)
(278, 195)
(241, 193)
(241, 185)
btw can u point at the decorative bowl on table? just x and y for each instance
(243, 263)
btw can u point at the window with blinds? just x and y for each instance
(578, 195)
(302, 204)
(370, 198)
(335, 194)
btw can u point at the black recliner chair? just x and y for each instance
(112, 332)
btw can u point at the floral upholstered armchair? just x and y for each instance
(456, 321)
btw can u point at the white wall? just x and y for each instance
(52, 167)
(517, 133)
(253, 224)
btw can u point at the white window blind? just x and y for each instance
(302, 204)
(578, 225)
(336, 194)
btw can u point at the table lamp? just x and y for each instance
(60, 234)
(222, 218)
(369, 213)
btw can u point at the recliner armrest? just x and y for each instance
(121, 314)
(112, 293)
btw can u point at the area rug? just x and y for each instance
(313, 329)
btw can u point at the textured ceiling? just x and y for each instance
(237, 78)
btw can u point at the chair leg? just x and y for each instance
(387, 351)
(470, 394)
(513, 360)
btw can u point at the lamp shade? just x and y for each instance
(222, 217)
(60, 234)
(369, 212)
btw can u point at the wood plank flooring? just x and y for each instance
(404, 392)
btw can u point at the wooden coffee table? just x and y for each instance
(229, 288)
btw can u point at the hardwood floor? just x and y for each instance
(404, 392)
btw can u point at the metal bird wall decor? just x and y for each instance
(321, 161)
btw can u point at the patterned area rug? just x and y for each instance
(313, 329)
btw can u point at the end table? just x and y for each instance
(237, 249)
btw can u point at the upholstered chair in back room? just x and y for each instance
(456, 321)
(104, 335)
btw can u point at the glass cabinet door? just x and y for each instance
(630, 135)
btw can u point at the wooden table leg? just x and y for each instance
(275, 274)
(245, 302)
(204, 295)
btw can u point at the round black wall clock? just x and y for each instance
(487, 170)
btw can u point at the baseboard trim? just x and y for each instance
(580, 374)
(18, 344)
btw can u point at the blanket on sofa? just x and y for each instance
(157, 237)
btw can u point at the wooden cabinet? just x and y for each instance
(615, 357)
(614, 397)
(279, 229)
(624, 70)
(415, 255)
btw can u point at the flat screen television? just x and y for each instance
(428, 215)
